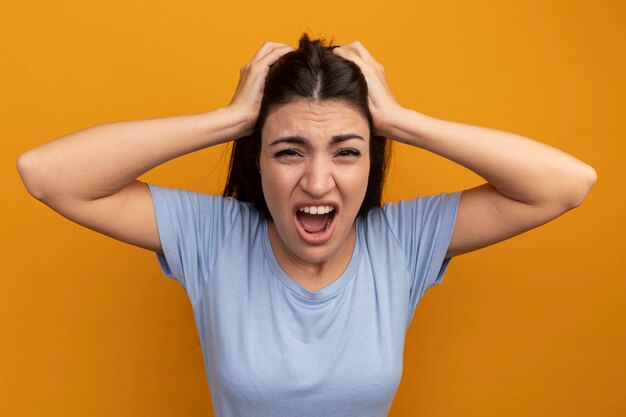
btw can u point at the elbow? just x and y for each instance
(25, 168)
(584, 184)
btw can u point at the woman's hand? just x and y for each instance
(249, 92)
(382, 104)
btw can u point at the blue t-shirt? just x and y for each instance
(271, 347)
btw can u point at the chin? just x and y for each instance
(315, 256)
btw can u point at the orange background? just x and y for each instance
(533, 326)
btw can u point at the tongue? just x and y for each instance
(313, 222)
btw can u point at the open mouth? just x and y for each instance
(313, 221)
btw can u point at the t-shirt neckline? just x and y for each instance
(328, 290)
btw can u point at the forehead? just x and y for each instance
(314, 121)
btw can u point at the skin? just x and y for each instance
(529, 183)
(315, 170)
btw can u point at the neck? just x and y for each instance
(318, 274)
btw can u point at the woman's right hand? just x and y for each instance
(249, 93)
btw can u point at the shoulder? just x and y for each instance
(409, 215)
(421, 208)
(200, 205)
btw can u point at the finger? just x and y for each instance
(272, 55)
(363, 53)
(351, 54)
(368, 66)
(265, 48)
(357, 49)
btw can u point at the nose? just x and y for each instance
(318, 178)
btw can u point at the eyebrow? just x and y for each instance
(303, 141)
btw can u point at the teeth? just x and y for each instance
(317, 209)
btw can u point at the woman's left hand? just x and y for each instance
(382, 104)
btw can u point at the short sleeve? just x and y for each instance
(423, 227)
(192, 227)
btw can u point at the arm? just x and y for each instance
(89, 176)
(528, 183)
(99, 161)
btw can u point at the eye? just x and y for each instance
(348, 153)
(286, 153)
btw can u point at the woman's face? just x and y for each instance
(314, 164)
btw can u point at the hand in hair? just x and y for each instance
(382, 103)
(249, 92)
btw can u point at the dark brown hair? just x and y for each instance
(314, 73)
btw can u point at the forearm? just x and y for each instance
(100, 160)
(518, 167)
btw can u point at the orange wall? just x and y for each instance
(533, 326)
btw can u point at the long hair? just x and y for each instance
(312, 72)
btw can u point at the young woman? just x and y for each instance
(302, 284)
